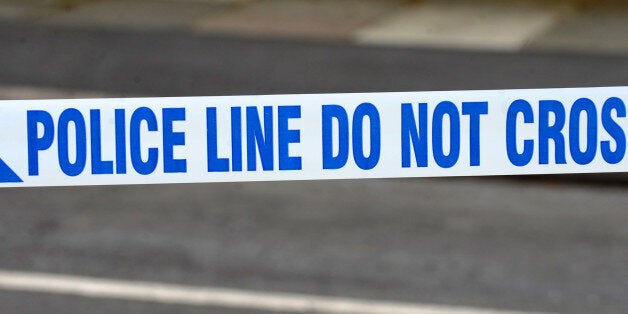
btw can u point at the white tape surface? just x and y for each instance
(310, 137)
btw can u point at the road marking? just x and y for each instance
(463, 24)
(210, 296)
(16, 92)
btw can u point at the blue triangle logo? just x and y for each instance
(7, 174)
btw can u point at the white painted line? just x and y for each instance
(210, 296)
(15, 92)
(486, 25)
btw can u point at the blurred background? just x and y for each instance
(518, 244)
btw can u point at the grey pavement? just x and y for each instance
(323, 19)
(132, 14)
(600, 29)
(503, 25)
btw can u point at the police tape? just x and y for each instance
(311, 137)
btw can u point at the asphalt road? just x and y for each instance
(491, 242)
(181, 64)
